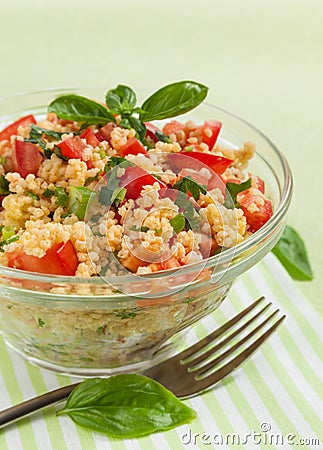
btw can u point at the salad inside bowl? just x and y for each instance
(121, 226)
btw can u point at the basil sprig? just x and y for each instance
(291, 252)
(126, 406)
(169, 101)
(80, 109)
(173, 100)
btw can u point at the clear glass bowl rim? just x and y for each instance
(222, 259)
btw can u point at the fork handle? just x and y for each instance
(32, 405)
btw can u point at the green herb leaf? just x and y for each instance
(291, 252)
(173, 100)
(118, 196)
(121, 100)
(8, 241)
(58, 153)
(163, 137)
(138, 126)
(78, 199)
(41, 323)
(135, 228)
(111, 190)
(126, 406)
(48, 193)
(231, 192)
(61, 196)
(113, 162)
(32, 195)
(187, 184)
(37, 132)
(4, 185)
(178, 223)
(80, 109)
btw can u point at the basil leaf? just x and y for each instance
(126, 406)
(291, 252)
(138, 126)
(36, 133)
(187, 184)
(173, 100)
(113, 162)
(163, 137)
(4, 185)
(231, 192)
(121, 100)
(80, 109)
(111, 191)
(78, 199)
(178, 223)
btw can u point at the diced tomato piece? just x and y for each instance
(256, 217)
(151, 131)
(132, 263)
(132, 147)
(172, 127)
(258, 183)
(216, 163)
(60, 259)
(135, 179)
(104, 133)
(12, 129)
(26, 158)
(210, 131)
(90, 137)
(170, 263)
(72, 147)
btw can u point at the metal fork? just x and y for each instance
(192, 371)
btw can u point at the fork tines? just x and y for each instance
(217, 355)
(204, 358)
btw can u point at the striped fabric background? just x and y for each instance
(273, 401)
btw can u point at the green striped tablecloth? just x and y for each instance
(274, 401)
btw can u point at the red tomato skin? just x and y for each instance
(258, 183)
(71, 147)
(151, 131)
(104, 133)
(132, 147)
(26, 158)
(213, 127)
(60, 259)
(90, 137)
(12, 129)
(172, 127)
(255, 219)
(216, 163)
(134, 179)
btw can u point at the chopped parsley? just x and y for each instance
(4, 185)
(32, 195)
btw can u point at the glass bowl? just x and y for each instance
(89, 326)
